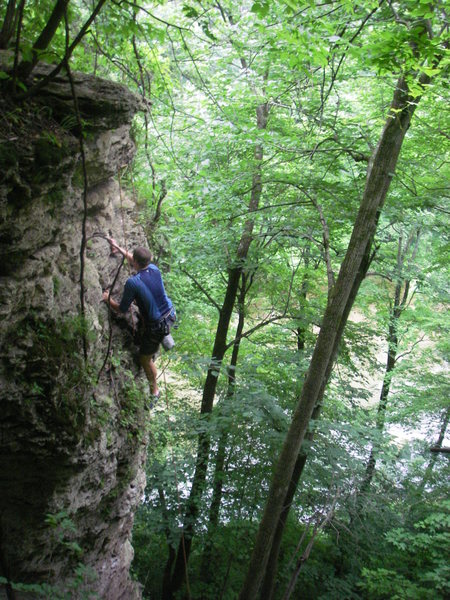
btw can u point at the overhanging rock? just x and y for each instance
(72, 449)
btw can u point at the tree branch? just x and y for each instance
(443, 449)
(326, 244)
(147, 12)
(410, 350)
(260, 325)
(202, 289)
(68, 53)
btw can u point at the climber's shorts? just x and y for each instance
(151, 334)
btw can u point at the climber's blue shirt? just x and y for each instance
(147, 289)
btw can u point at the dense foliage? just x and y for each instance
(251, 163)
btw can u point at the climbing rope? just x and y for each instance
(85, 187)
(99, 234)
(133, 324)
(108, 351)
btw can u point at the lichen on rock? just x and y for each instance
(72, 466)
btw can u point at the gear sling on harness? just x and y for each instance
(168, 342)
(162, 328)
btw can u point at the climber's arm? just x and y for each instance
(129, 294)
(113, 304)
(116, 248)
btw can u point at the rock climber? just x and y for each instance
(156, 310)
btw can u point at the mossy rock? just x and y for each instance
(8, 155)
(50, 150)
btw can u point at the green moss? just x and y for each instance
(55, 196)
(56, 285)
(19, 195)
(92, 436)
(46, 152)
(8, 155)
(133, 409)
(78, 177)
(55, 378)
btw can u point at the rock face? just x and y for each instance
(72, 434)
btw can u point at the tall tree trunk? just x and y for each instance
(268, 585)
(380, 172)
(301, 329)
(44, 39)
(401, 292)
(382, 405)
(7, 29)
(223, 439)
(429, 470)
(172, 552)
(209, 389)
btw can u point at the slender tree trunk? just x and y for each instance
(44, 39)
(429, 470)
(7, 29)
(381, 410)
(18, 28)
(167, 570)
(380, 171)
(306, 553)
(209, 389)
(268, 585)
(402, 287)
(219, 471)
(203, 448)
(301, 329)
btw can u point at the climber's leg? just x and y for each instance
(149, 367)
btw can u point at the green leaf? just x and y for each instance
(260, 8)
(190, 11)
(205, 28)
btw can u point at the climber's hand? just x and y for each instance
(105, 296)
(114, 245)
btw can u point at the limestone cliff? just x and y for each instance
(72, 436)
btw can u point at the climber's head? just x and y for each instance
(142, 257)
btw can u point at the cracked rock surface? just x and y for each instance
(72, 435)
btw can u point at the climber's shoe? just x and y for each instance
(154, 399)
